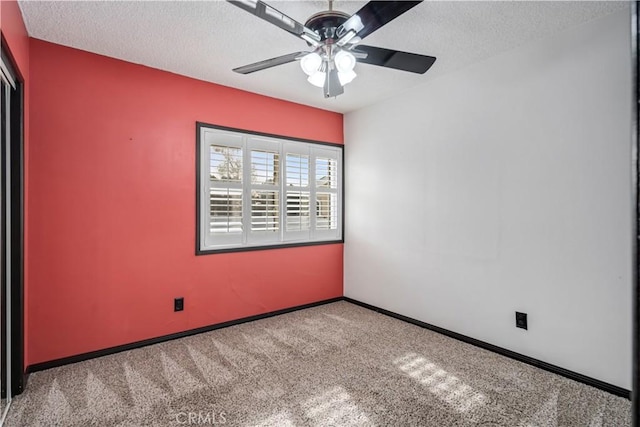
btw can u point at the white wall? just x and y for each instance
(505, 187)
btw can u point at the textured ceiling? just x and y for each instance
(206, 39)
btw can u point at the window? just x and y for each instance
(257, 191)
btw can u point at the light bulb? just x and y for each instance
(317, 78)
(346, 77)
(310, 63)
(345, 61)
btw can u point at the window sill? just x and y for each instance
(266, 247)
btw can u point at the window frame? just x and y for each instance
(248, 242)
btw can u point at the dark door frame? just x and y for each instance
(16, 201)
(3, 236)
(635, 135)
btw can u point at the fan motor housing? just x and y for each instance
(325, 23)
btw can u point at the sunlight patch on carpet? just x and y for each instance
(334, 408)
(445, 386)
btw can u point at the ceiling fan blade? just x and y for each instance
(279, 19)
(268, 63)
(372, 16)
(404, 61)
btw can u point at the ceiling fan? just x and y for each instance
(334, 37)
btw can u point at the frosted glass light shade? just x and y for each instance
(345, 61)
(346, 77)
(310, 63)
(317, 78)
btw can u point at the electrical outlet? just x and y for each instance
(178, 304)
(521, 320)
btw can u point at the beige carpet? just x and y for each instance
(333, 365)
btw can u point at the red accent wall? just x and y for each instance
(15, 35)
(112, 206)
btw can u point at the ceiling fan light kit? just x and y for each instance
(335, 37)
(317, 66)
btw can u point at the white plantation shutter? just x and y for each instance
(297, 170)
(225, 208)
(327, 189)
(326, 211)
(261, 190)
(222, 163)
(264, 157)
(225, 191)
(265, 211)
(298, 211)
